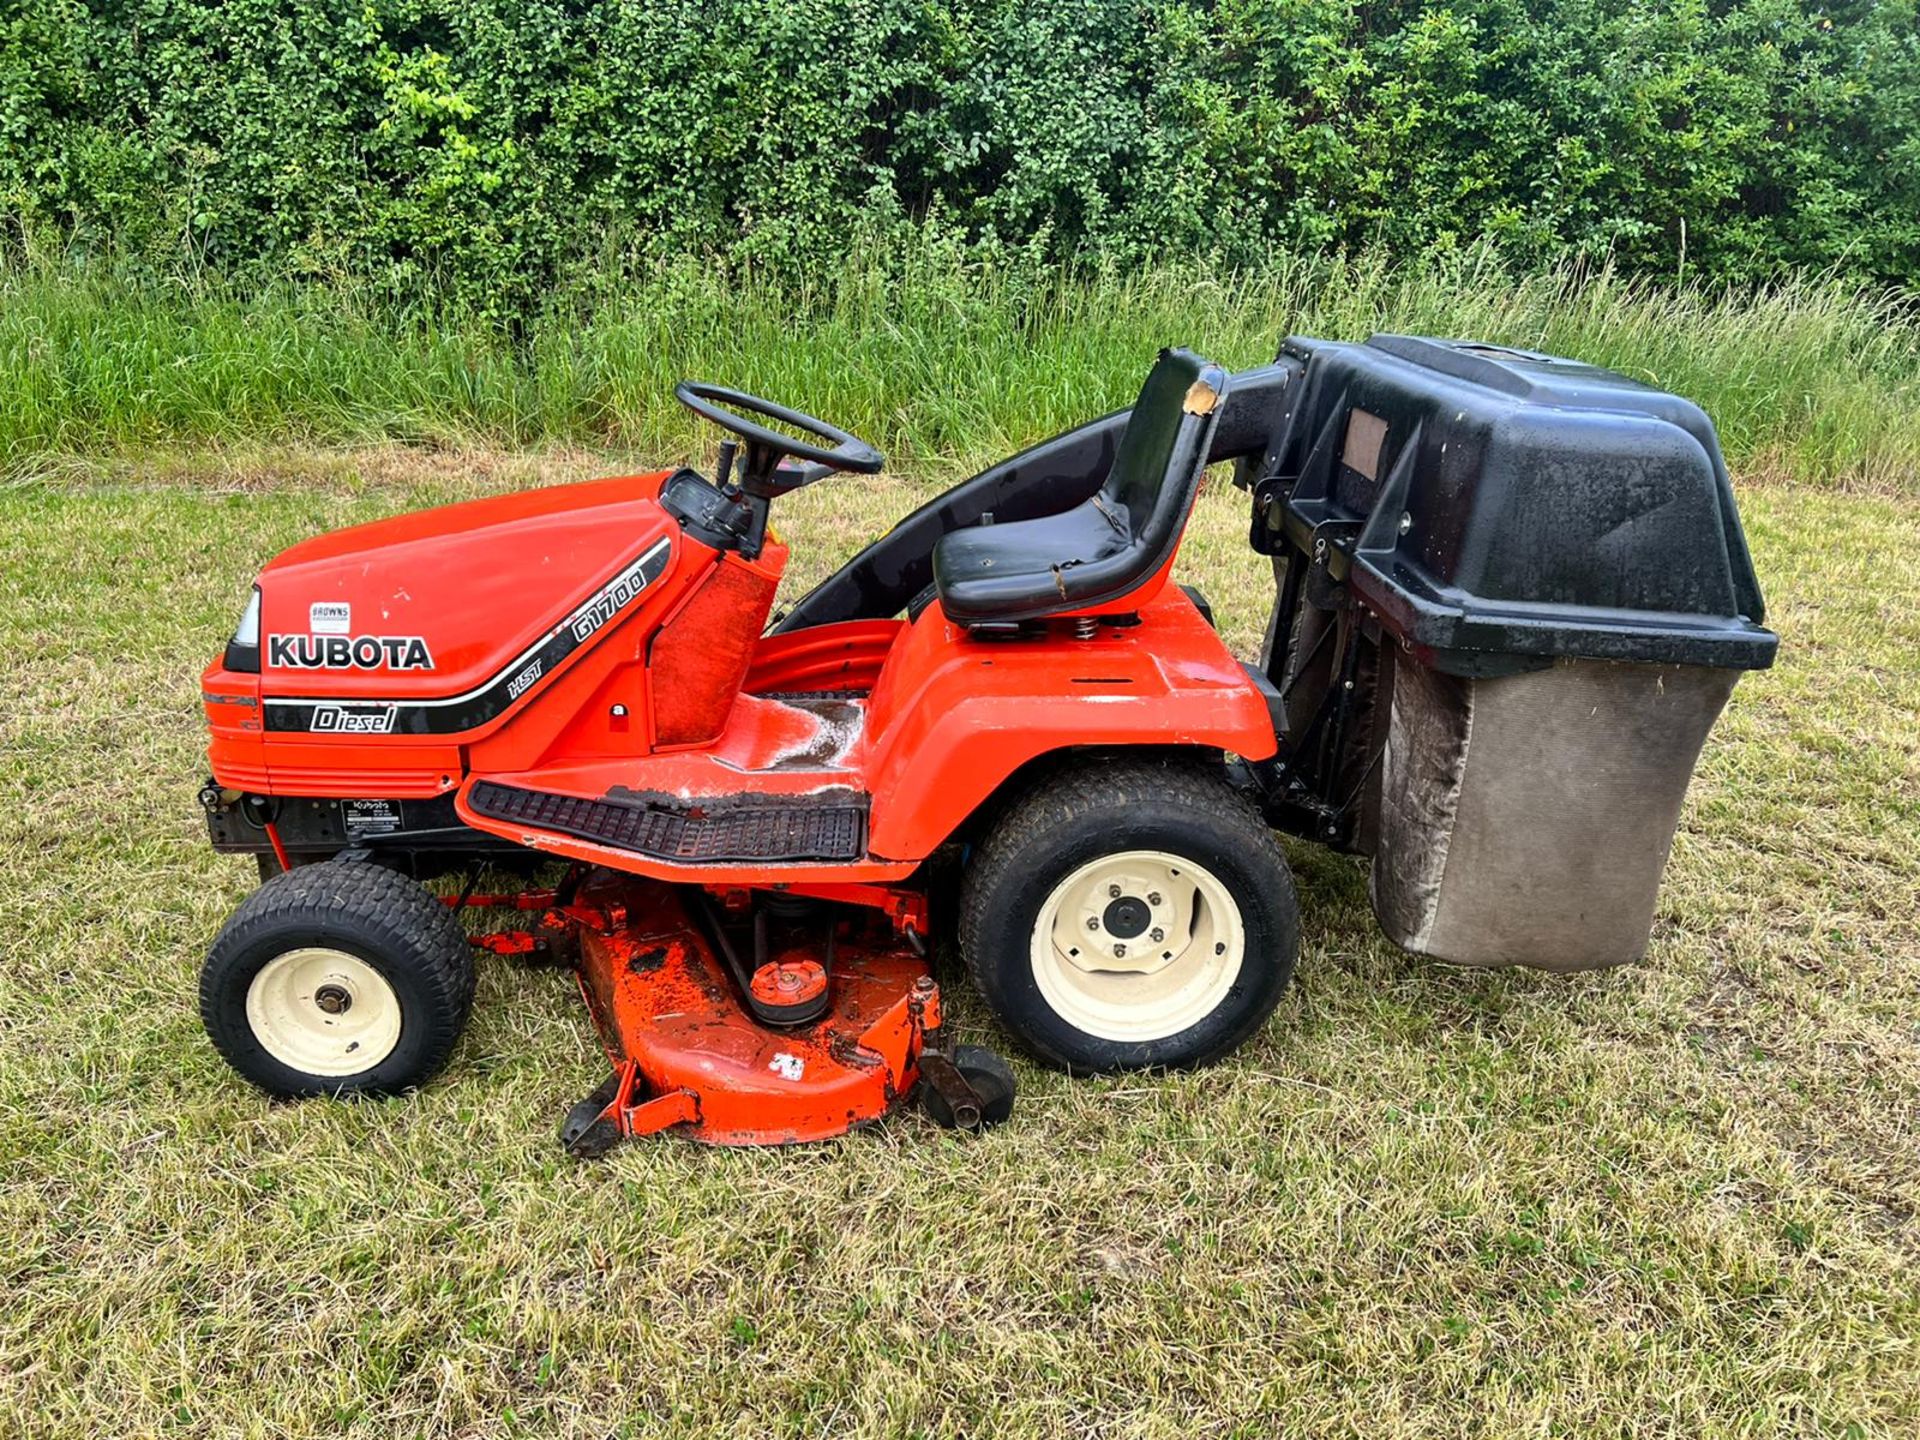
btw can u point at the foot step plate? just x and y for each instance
(828, 826)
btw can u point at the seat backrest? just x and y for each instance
(1162, 451)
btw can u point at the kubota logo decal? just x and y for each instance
(388, 654)
(338, 652)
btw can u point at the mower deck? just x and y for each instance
(653, 965)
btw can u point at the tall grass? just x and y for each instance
(941, 364)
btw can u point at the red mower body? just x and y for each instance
(584, 673)
(576, 643)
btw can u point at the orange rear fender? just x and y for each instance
(954, 715)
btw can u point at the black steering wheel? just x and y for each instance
(763, 473)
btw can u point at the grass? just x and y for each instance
(946, 367)
(1678, 1199)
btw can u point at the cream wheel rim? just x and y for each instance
(1138, 945)
(323, 1012)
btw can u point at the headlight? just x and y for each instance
(243, 650)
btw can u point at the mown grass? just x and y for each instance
(945, 366)
(1674, 1200)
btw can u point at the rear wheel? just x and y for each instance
(1132, 914)
(338, 977)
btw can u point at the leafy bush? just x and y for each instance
(484, 148)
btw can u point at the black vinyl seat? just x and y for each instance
(1102, 552)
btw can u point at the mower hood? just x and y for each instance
(447, 601)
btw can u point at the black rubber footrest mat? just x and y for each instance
(818, 827)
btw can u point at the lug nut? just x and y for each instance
(1113, 892)
(1093, 922)
(1119, 950)
(1153, 897)
(1157, 934)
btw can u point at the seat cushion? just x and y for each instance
(1056, 562)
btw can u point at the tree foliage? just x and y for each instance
(485, 147)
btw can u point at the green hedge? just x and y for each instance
(486, 147)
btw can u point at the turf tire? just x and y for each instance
(383, 919)
(1184, 808)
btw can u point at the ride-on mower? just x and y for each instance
(1511, 596)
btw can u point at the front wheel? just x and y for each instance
(338, 977)
(1131, 914)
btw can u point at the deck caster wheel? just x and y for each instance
(338, 978)
(1130, 915)
(991, 1079)
(587, 1133)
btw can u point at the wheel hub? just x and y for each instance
(323, 1012)
(1126, 917)
(1138, 945)
(1134, 915)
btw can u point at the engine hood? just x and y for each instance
(453, 601)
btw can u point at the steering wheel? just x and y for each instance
(764, 473)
